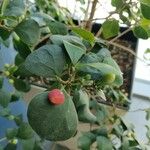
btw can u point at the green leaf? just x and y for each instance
(50, 60)
(102, 70)
(146, 2)
(117, 3)
(103, 52)
(41, 18)
(59, 39)
(10, 146)
(125, 143)
(81, 101)
(18, 119)
(15, 96)
(103, 143)
(14, 8)
(84, 34)
(57, 28)
(1, 81)
(5, 112)
(145, 10)
(84, 143)
(5, 98)
(25, 131)
(110, 28)
(52, 122)
(140, 32)
(74, 52)
(19, 60)
(11, 133)
(28, 144)
(28, 31)
(22, 48)
(4, 34)
(21, 85)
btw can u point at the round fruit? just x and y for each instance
(56, 97)
(109, 78)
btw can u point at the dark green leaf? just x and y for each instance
(140, 32)
(117, 3)
(41, 18)
(5, 98)
(103, 52)
(145, 10)
(21, 85)
(1, 81)
(18, 119)
(59, 39)
(4, 34)
(84, 143)
(50, 60)
(19, 60)
(22, 48)
(10, 146)
(28, 31)
(102, 71)
(85, 34)
(11, 133)
(104, 143)
(14, 8)
(110, 28)
(25, 131)
(15, 96)
(28, 144)
(5, 112)
(58, 28)
(58, 127)
(74, 52)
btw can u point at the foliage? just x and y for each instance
(70, 59)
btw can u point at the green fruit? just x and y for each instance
(52, 122)
(109, 78)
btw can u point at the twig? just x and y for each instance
(3, 139)
(125, 48)
(145, 109)
(121, 34)
(89, 22)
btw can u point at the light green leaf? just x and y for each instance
(103, 143)
(74, 52)
(28, 31)
(5, 98)
(145, 10)
(146, 2)
(84, 34)
(47, 61)
(11, 133)
(110, 28)
(140, 32)
(14, 8)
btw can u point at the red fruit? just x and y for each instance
(56, 97)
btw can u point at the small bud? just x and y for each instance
(14, 141)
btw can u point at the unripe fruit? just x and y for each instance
(7, 73)
(7, 65)
(14, 141)
(11, 81)
(56, 97)
(109, 78)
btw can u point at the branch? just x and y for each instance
(89, 22)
